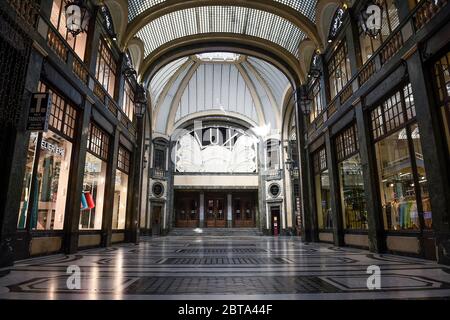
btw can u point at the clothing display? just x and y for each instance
(404, 214)
(84, 204)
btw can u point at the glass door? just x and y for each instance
(244, 211)
(215, 211)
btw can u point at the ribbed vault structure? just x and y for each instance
(245, 88)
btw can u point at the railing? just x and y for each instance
(426, 11)
(58, 44)
(272, 174)
(391, 47)
(28, 10)
(158, 173)
(80, 70)
(55, 41)
(421, 15)
(346, 93)
(367, 72)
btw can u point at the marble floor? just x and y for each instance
(230, 268)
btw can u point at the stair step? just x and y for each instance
(215, 232)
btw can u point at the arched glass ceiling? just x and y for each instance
(276, 80)
(221, 19)
(161, 79)
(306, 7)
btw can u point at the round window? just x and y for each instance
(274, 190)
(158, 189)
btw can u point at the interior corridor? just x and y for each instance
(205, 267)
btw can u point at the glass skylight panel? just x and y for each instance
(306, 7)
(221, 19)
(163, 76)
(136, 7)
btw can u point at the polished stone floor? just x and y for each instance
(231, 268)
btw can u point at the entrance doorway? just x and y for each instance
(215, 205)
(275, 221)
(244, 210)
(187, 210)
(156, 219)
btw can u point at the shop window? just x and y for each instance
(322, 190)
(58, 19)
(106, 68)
(317, 106)
(128, 101)
(401, 170)
(93, 196)
(339, 71)
(390, 22)
(351, 182)
(47, 172)
(121, 189)
(442, 94)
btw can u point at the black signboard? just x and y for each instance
(39, 112)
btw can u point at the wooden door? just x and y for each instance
(215, 206)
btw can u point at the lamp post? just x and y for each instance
(77, 17)
(304, 100)
(140, 104)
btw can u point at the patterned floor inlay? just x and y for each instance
(215, 268)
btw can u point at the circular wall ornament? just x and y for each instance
(274, 190)
(158, 189)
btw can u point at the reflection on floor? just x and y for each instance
(181, 267)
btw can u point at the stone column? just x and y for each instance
(71, 223)
(202, 210)
(338, 229)
(376, 232)
(136, 172)
(14, 147)
(434, 153)
(110, 187)
(230, 211)
(305, 181)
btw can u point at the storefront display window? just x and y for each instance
(47, 172)
(402, 176)
(58, 19)
(322, 190)
(351, 183)
(121, 190)
(93, 196)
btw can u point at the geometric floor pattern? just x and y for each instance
(226, 268)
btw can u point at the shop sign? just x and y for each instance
(39, 113)
(52, 148)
